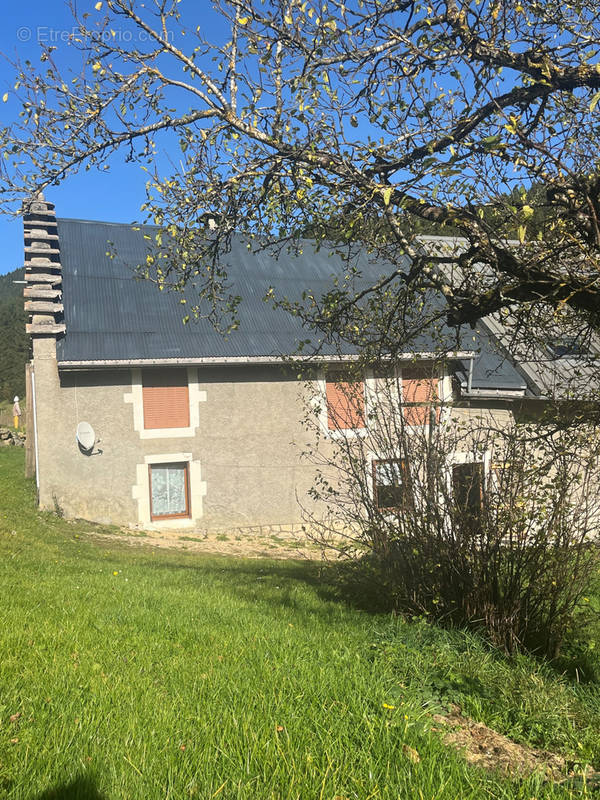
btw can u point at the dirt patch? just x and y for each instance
(484, 747)
(243, 546)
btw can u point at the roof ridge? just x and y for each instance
(107, 222)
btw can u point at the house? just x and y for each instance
(141, 420)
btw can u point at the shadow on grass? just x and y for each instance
(355, 585)
(81, 788)
(351, 584)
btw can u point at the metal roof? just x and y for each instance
(492, 369)
(111, 315)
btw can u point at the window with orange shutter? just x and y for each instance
(345, 405)
(166, 398)
(419, 392)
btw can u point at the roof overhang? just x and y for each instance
(218, 361)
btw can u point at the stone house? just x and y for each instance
(191, 429)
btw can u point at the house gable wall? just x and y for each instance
(244, 454)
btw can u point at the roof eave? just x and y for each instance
(243, 360)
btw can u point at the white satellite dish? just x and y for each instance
(86, 438)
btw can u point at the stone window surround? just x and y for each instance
(136, 398)
(197, 491)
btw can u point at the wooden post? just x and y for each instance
(29, 441)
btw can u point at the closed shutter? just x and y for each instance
(420, 389)
(345, 405)
(166, 398)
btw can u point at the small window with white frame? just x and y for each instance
(392, 488)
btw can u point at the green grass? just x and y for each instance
(154, 674)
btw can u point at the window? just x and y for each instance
(345, 405)
(169, 491)
(419, 392)
(166, 398)
(467, 485)
(391, 484)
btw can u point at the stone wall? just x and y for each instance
(10, 438)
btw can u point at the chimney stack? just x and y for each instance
(43, 273)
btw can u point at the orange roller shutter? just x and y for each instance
(345, 405)
(166, 398)
(418, 388)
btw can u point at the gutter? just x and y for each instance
(35, 433)
(244, 360)
(470, 376)
(493, 393)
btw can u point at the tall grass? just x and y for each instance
(130, 673)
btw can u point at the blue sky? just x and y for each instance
(115, 196)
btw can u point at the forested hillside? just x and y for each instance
(14, 344)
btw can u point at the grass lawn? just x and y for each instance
(130, 673)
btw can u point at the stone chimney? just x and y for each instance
(43, 273)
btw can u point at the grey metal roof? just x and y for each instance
(111, 315)
(492, 369)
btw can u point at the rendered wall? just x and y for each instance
(244, 449)
(244, 445)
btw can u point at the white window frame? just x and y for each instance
(319, 403)
(444, 389)
(319, 400)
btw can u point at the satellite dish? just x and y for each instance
(86, 438)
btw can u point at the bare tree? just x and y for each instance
(374, 120)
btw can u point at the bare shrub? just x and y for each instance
(467, 515)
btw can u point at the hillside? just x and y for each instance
(14, 349)
(142, 672)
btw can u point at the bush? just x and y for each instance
(473, 519)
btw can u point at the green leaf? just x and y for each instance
(527, 211)
(594, 102)
(490, 142)
(387, 195)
